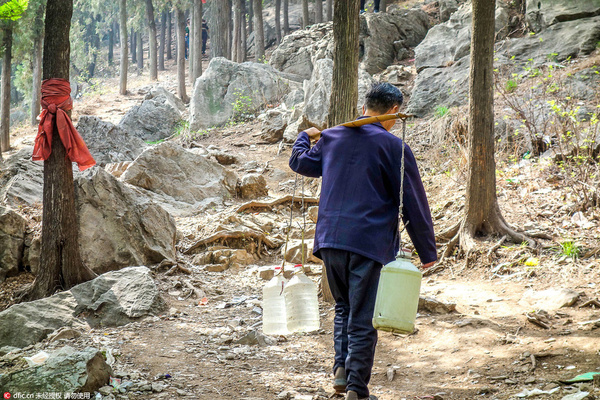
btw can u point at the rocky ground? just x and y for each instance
(512, 322)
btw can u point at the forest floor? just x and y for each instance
(486, 348)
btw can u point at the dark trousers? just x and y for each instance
(353, 280)
(376, 7)
(204, 39)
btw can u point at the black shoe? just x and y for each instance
(352, 395)
(339, 380)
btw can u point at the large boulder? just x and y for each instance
(318, 92)
(182, 181)
(21, 179)
(119, 227)
(155, 118)
(543, 13)
(385, 34)
(436, 50)
(108, 143)
(12, 237)
(112, 299)
(227, 89)
(65, 371)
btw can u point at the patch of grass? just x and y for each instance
(570, 249)
(441, 111)
(511, 85)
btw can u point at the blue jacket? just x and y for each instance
(360, 192)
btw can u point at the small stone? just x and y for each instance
(266, 273)
(105, 390)
(158, 387)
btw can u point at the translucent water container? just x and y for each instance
(397, 296)
(274, 312)
(302, 304)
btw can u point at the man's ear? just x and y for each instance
(394, 110)
(363, 108)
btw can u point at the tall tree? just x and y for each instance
(133, 46)
(169, 35)
(60, 262)
(181, 55)
(344, 83)
(244, 38)
(305, 14)
(140, 50)
(197, 10)
(124, 61)
(5, 89)
(161, 43)
(383, 6)
(482, 213)
(286, 17)
(152, 45)
(329, 9)
(259, 33)
(191, 49)
(318, 11)
(250, 16)
(111, 44)
(278, 20)
(219, 35)
(237, 31)
(38, 46)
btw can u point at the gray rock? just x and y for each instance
(437, 51)
(291, 131)
(270, 38)
(543, 13)
(21, 179)
(254, 338)
(65, 371)
(447, 8)
(154, 119)
(252, 186)
(274, 125)
(228, 90)
(170, 98)
(294, 252)
(318, 92)
(381, 30)
(12, 239)
(112, 299)
(429, 304)
(108, 143)
(130, 229)
(294, 98)
(550, 299)
(223, 158)
(181, 181)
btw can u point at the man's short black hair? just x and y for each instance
(382, 96)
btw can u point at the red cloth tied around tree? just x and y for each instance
(56, 100)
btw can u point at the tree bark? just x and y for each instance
(5, 89)
(229, 29)
(237, 31)
(383, 6)
(318, 11)
(197, 40)
(94, 45)
(305, 14)
(191, 49)
(60, 261)
(250, 16)
(218, 41)
(38, 47)
(259, 35)
(344, 89)
(152, 45)
(244, 38)
(140, 51)
(161, 43)
(286, 17)
(181, 55)
(329, 9)
(133, 46)
(124, 60)
(278, 20)
(111, 44)
(169, 35)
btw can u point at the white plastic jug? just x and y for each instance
(302, 304)
(397, 296)
(274, 313)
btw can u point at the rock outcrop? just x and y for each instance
(21, 179)
(543, 13)
(181, 181)
(12, 237)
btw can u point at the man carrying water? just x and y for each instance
(357, 225)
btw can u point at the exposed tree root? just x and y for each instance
(233, 235)
(253, 205)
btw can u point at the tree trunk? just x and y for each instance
(181, 55)
(169, 36)
(161, 43)
(111, 44)
(152, 46)
(218, 40)
(229, 29)
(38, 47)
(60, 261)
(197, 40)
(286, 17)
(191, 49)
(278, 20)
(329, 9)
(140, 51)
(318, 11)
(133, 46)
(5, 90)
(237, 31)
(94, 45)
(305, 15)
(344, 89)
(383, 6)
(259, 35)
(250, 16)
(123, 34)
(244, 38)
